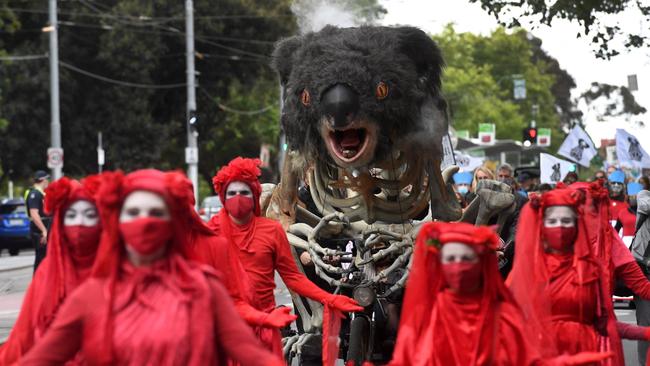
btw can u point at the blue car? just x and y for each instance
(14, 225)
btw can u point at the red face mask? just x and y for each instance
(146, 235)
(559, 238)
(82, 240)
(463, 277)
(239, 206)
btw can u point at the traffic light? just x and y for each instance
(529, 136)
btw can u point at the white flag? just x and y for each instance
(467, 163)
(552, 169)
(578, 147)
(629, 150)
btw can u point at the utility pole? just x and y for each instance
(192, 151)
(55, 127)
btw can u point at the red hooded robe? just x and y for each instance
(565, 297)
(172, 312)
(440, 327)
(262, 247)
(62, 270)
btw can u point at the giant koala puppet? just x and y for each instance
(363, 113)
(364, 117)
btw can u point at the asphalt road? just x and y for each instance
(16, 273)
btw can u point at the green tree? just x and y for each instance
(478, 82)
(590, 15)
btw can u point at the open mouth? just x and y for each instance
(348, 144)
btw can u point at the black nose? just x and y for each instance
(341, 103)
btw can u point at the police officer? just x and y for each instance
(39, 222)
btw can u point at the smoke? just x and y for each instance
(314, 15)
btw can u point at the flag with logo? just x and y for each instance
(629, 150)
(578, 147)
(552, 170)
(467, 163)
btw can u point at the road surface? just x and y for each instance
(16, 272)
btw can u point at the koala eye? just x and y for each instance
(381, 92)
(305, 98)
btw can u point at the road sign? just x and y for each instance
(101, 156)
(543, 137)
(519, 89)
(55, 157)
(191, 155)
(486, 133)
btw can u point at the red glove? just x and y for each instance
(279, 318)
(343, 303)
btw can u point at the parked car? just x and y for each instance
(14, 225)
(209, 207)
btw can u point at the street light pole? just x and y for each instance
(191, 152)
(55, 127)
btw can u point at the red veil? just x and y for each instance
(173, 187)
(529, 280)
(425, 287)
(59, 273)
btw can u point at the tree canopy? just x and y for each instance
(593, 16)
(478, 82)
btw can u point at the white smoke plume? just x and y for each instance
(314, 15)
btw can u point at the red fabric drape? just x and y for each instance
(62, 270)
(440, 327)
(569, 294)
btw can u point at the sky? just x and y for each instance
(574, 54)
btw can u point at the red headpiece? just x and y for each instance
(242, 170)
(441, 233)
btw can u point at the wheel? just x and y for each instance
(14, 251)
(359, 340)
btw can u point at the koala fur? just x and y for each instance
(407, 60)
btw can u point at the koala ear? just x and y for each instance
(424, 52)
(282, 58)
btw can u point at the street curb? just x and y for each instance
(16, 268)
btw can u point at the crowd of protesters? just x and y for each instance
(133, 276)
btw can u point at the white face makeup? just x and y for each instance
(556, 216)
(457, 253)
(237, 187)
(141, 204)
(81, 213)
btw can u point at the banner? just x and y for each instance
(629, 151)
(467, 163)
(447, 152)
(552, 169)
(578, 147)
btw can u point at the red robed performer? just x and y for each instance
(262, 247)
(71, 249)
(145, 303)
(561, 285)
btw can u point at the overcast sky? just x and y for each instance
(574, 54)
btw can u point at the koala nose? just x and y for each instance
(341, 103)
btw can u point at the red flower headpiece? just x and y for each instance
(437, 234)
(64, 191)
(562, 197)
(243, 170)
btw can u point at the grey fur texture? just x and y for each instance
(405, 58)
